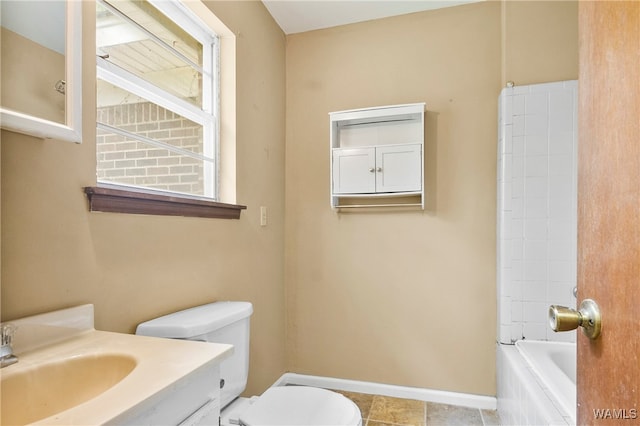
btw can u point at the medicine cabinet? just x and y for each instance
(377, 157)
(41, 75)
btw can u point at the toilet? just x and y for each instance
(228, 322)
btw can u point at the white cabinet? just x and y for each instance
(375, 170)
(354, 171)
(378, 153)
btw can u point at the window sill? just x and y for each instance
(115, 200)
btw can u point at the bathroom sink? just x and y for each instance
(69, 373)
(43, 390)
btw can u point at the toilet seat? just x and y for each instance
(301, 406)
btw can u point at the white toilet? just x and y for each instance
(228, 322)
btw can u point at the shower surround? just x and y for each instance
(537, 208)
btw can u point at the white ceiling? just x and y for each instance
(296, 16)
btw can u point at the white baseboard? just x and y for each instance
(481, 402)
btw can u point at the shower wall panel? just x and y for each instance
(537, 213)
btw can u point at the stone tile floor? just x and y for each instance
(380, 410)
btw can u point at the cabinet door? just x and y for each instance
(354, 171)
(399, 168)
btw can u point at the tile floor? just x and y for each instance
(388, 411)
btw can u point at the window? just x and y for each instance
(157, 111)
(157, 102)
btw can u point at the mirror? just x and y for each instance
(41, 68)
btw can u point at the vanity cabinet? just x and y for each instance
(377, 153)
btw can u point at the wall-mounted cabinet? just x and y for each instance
(42, 69)
(376, 154)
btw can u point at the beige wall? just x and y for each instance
(56, 254)
(540, 41)
(406, 298)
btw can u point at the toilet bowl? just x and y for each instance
(301, 405)
(228, 322)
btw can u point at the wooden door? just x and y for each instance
(609, 210)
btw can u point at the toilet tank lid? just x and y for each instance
(196, 321)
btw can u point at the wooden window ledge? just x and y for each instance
(116, 200)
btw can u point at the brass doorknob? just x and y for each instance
(588, 317)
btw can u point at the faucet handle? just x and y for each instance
(6, 351)
(7, 331)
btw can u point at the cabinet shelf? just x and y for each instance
(378, 153)
(380, 194)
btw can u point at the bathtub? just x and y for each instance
(555, 365)
(537, 383)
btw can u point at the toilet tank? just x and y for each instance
(219, 322)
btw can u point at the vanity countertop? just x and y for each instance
(156, 366)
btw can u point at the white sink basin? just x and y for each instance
(40, 391)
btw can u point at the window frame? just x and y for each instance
(113, 197)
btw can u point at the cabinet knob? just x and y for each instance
(371, 169)
(379, 169)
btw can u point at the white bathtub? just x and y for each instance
(537, 383)
(555, 364)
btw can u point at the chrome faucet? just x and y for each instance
(6, 351)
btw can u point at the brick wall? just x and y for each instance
(126, 161)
